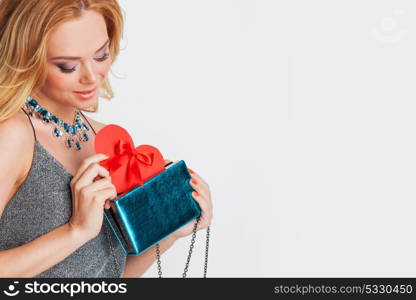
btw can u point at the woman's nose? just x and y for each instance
(88, 73)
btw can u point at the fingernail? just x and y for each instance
(195, 194)
(194, 181)
(190, 171)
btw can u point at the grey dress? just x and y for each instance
(42, 203)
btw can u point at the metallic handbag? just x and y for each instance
(143, 216)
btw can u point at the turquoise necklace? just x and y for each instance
(73, 133)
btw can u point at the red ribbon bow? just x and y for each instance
(125, 154)
(128, 166)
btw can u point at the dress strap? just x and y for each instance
(88, 122)
(34, 132)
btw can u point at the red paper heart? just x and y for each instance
(129, 167)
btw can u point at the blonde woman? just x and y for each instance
(54, 57)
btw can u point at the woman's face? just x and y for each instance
(85, 40)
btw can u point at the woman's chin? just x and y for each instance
(86, 102)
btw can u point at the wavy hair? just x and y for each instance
(25, 29)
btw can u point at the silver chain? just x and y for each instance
(159, 267)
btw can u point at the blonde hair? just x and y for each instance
(25, 28)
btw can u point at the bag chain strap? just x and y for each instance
(189, 255)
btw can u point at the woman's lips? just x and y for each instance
(87, 94)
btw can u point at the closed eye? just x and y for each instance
(103, 58)
(100, 59)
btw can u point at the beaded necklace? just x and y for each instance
(73, 133)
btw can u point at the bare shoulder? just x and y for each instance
(16, 136)
(16, 153)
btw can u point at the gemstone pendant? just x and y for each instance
(57, 132)
(77, 144)
(69, 142)
(85, 126)
(74, 133)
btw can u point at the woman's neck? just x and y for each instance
(63, 112)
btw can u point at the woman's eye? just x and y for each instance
(104, 57)
(64, 70)
(100, 59)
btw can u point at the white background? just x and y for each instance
(300, 115)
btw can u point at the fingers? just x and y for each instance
(206, 211)
(199, 180)
(101, 184)
(102, 190)
(200, 185)
(96, 158)
(105, 194)
(199, 188)
(89, 175)
(107, 204)
(202, 198)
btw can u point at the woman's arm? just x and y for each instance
(40, 254)
(45, 251)
(136, 266)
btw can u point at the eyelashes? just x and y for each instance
(100, 59)
(64, 70)
(104, 57)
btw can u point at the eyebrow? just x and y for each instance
(77, 57)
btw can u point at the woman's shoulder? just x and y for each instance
(18, 122)
(17, 134)
(16, 152)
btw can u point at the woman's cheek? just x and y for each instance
(106, 67)
(59, 81)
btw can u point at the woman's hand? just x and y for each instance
(91, 188)
(202, 195)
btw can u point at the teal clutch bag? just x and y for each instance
(154, 198)
(147, 214)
